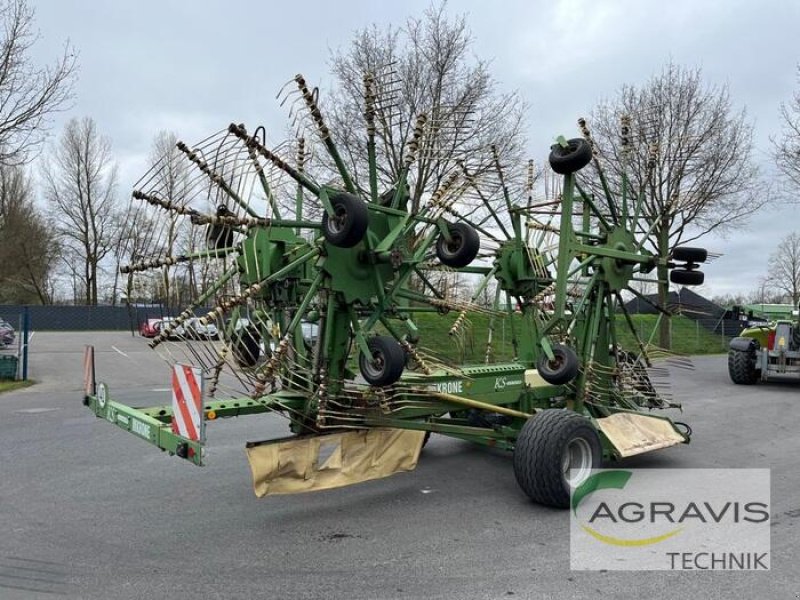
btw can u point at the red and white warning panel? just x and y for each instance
(187, 402)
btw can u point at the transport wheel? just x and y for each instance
(348, 224)
(684, 277)
(220, 236)
(462, 249)
(387, 362)
(688, 254)
(742, 367)
(555, 452)
(562, 369)
(574, 157)
(246, 348)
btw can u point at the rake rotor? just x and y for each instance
(296, 277)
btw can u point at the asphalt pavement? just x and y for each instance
(87, 511)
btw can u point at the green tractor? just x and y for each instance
(763, 352)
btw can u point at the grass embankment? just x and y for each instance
(470, 347)
(688, 337)
(9, 385)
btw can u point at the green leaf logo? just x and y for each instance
(599, 481)
(612, 480)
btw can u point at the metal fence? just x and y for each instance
(695, 335)
(84, 318)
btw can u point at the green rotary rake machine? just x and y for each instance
(317, 281)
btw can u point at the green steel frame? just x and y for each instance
(351, 292)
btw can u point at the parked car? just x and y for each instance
(196, 330)
(7, 333)
(148, 328)
(175, 333)
(310, 332)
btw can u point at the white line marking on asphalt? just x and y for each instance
(161, 390)
(120, 351)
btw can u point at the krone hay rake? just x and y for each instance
(306, 286)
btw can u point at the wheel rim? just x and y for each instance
(374, 367)
(455, 244)
(576, 462)
(337, 221)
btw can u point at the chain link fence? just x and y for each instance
(86, 318)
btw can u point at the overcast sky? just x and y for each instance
(193, 67)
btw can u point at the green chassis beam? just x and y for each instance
(498, 385)
(147, 428)
(154, 424)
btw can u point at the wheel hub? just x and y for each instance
(576, 462)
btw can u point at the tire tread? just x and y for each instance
(741, 367)
(538, 453)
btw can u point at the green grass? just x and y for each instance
(688, 337)
(9, 385)
(470, 347)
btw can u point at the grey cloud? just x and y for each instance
(194, 67)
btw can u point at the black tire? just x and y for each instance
(246, 347)
(688, 254)
(544, 445)
(574, 157)
(387, 362)
(742, 367)
(684, 277)
(561, 370)
(349, 223)
(463, 247)
(220, 236)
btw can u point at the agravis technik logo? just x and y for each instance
(690, 519)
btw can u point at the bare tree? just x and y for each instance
(484, 296)
(131, 225)
(728, 300)
(425, 67)
(173, 178)
(28, 244)
(786, 147)
(765, 293)
(784, 267)
(29, 94)
(687, 152)
(80, 181)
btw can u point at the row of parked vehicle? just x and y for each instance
(191, 328)
(247, 344)
(7, 333)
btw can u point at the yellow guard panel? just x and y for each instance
(635, 434)
(331, 461)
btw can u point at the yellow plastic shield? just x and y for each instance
(633, 434)
(324, 462)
